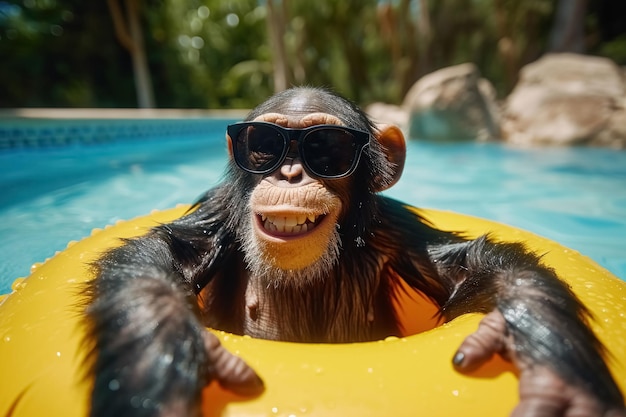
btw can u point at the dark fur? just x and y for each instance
(143, 303)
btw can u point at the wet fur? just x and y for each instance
(144, 304)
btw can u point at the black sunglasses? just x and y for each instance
(327, 151)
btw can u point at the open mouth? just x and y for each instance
(289, 225)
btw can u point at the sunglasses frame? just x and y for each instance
(361, 138)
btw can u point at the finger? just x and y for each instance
(543, 393)
(538, 408)
(230, 371)
(616, 413)
(480, 346)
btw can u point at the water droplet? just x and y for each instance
(114, 385)
(167, 359)
(135, 402)
(18, 284)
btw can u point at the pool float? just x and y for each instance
(41, 365)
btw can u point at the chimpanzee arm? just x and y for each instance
(152, 355)
(546, 323)
(543, 324)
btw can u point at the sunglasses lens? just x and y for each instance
(330, 152)
(258, 148)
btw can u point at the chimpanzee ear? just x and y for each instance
(394, 146)
(229, 142)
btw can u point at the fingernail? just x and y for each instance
(256, 386)
(458, 359)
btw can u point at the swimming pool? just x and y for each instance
(57, 188)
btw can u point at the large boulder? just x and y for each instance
(567, 99)
(383, 113)
(453, 103)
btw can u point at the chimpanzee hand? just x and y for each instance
(542, 392)
(230, 371)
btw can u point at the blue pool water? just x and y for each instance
(54, 194)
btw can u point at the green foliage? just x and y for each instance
(337, 43)
(61, 53)
(614, 49)
(216, 54)
(209, 53)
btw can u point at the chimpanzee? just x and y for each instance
(296, 244)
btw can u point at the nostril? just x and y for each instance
(292, 169)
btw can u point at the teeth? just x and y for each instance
(279, 222)
(296, 224)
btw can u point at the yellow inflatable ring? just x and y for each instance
(41, 360)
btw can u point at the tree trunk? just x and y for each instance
(568, 30)
(129, 34)
(507, 49)
(425, 36)
(276, 34)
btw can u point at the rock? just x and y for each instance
(388, 113)
(453, 103)
(567, 99)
